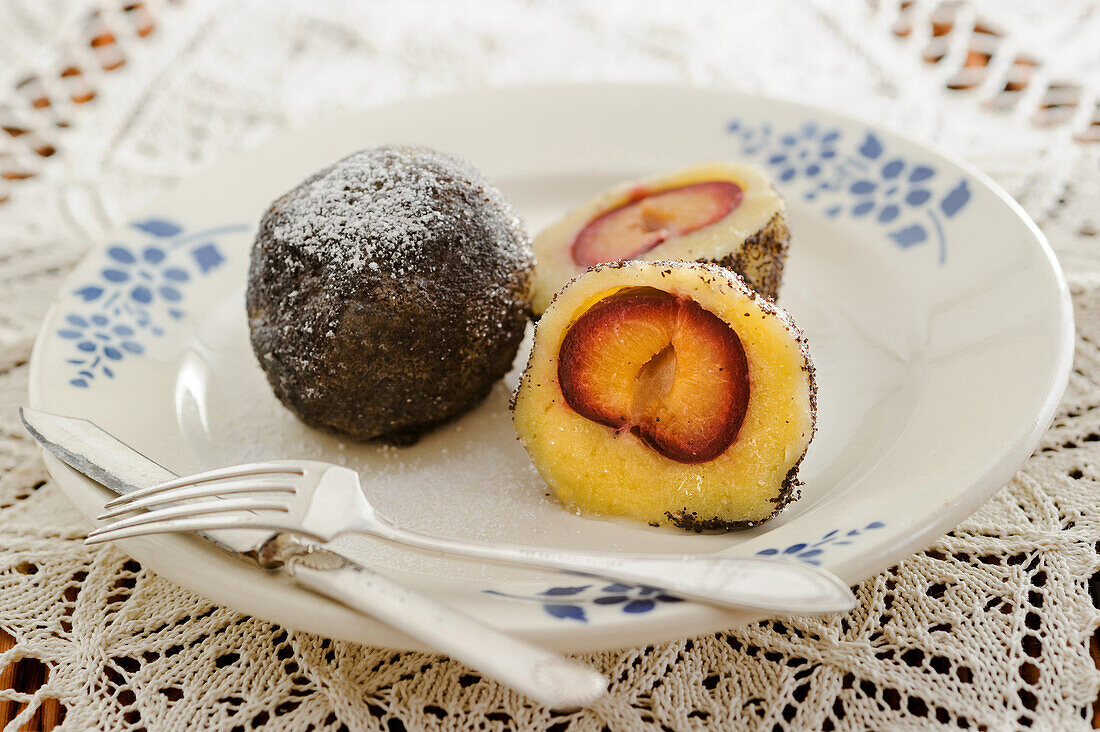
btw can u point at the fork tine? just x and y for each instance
(197, 523)
(205, 490)
(234, 471)
(188, 510)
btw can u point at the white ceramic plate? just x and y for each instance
(936, 314)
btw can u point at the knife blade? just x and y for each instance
(96, 453)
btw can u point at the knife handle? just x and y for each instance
(544, 676)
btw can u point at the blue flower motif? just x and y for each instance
(811, 553)
(634, 600)
(805, 152)
(896, 188)
(573, 602)
(146, 274)
(137, 286)
(99, 344)
(861, 179)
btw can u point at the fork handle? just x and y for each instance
(546, 677)
(740, 582)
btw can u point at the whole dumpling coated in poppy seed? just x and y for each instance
(388, 293)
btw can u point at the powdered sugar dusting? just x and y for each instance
(390, 193)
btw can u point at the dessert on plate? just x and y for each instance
(719, 212)
(388, 293)
(669, 392)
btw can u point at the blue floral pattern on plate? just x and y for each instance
(139, 291)
(863, 180)
(575, 602)
(811, 553)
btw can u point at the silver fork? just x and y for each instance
(322, 501)
(545, 676)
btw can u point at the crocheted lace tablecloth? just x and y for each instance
(103, 105)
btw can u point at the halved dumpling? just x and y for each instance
(724, 213)
(668, 392)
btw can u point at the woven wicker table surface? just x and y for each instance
(104, 104)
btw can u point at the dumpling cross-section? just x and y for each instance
(668, 392)
(724, 213)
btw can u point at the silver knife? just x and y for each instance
(544, 676)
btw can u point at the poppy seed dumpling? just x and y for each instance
(388, 292)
